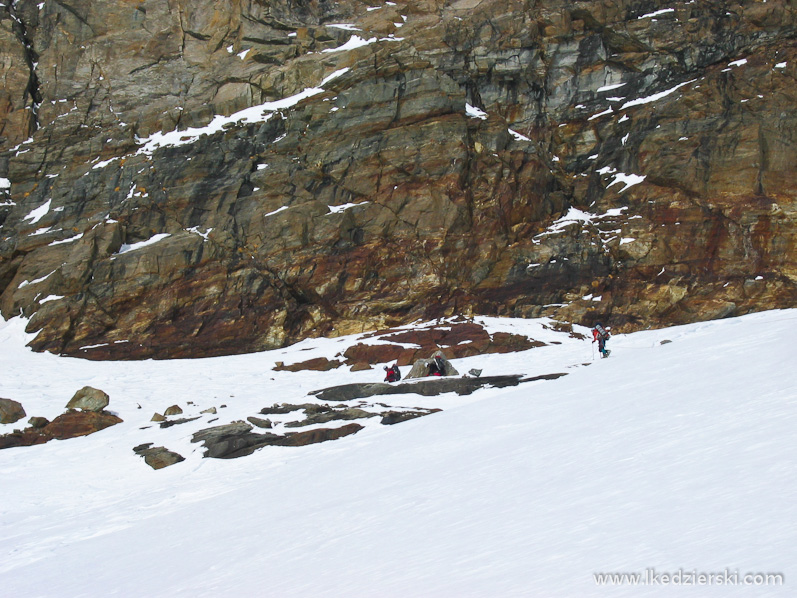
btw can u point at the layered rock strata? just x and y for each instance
(193, 179)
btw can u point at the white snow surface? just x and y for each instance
(355, 41)
(656, 96)
(127, 247)
(39, 213)
(474, 112)
(656, 13)
(629, 180)
(677, 456)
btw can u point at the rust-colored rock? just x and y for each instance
(67, 425)
(83, 423)
(320, 435)
(461, 339)
(318, 364)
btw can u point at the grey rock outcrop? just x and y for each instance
(237, 439)
(89, 399)
(71, 424)
(10, 411)
(391, 418)
(260, 422)
(427, 388)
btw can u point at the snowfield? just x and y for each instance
(665, 458)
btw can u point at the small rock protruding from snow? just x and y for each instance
(157, 457)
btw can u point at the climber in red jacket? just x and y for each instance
(600, 334)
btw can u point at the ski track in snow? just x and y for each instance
(665, 456)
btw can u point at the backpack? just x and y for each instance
(393, 374)
(601, 331)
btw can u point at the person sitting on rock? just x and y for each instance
(437, 367)
(393, 374)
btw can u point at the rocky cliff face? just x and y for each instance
(195, 178)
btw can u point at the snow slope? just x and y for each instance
(670, 457)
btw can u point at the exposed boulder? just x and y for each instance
(67, 425)
(260, 422)
(89, 399)
(285, 408)
(173, 410)
(318, 364)
(157, 417)
(345, 414)
(320, 435)
(390, 418)
(421, 368)
(237, 439)
(26, 437)
(38, 422)
(158, 457)
(458, 339)
(10, 411)
(428, 388)
(229, 441)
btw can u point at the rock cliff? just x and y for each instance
(197, 178)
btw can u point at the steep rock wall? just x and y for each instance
(196, 178)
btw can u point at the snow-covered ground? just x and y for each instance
(665, 458)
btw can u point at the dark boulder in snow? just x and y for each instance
(390, 418)
(10, 411)
(259, 422)
(175, 422)
(38, 422)
(89, 399)
(332, 415)
(318, 364)
(427, 388)
(158, 457)
(237, 439)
